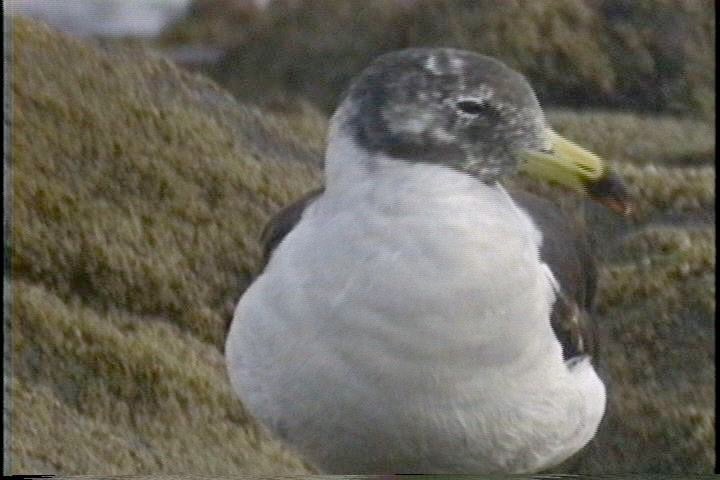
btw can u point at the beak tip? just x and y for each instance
(611, 192)
(620, 206)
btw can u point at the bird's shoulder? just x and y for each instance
(283, 221)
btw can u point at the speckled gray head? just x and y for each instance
(440, 105)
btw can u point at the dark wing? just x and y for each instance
(284, 221)
(276, 229)
(565, 250)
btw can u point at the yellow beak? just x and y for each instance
(570, 165)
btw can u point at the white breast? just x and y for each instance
(403, 325)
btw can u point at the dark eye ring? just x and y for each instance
(474, 107)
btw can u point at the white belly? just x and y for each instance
(405, 328)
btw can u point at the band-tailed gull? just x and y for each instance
(413, 316)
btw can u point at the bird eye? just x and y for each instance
(474, 107)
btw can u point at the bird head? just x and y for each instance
(471, 113)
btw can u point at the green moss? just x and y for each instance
(117, 394)
(139, 192)
(663, 191)
(154, 198)
(639, 139)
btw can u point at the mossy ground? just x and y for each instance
(138, 195)
(656, 298)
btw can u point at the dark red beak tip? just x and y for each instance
(611, 192)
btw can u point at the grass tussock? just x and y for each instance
(153, 199)
(139, 192)
(110, 392)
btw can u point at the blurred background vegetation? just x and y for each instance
(642, 55)
(140, 186)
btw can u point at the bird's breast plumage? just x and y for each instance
(403, 285)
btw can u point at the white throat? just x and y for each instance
(441, 245)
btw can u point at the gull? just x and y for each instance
(413, 316)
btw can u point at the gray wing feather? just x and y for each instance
(567, 251)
